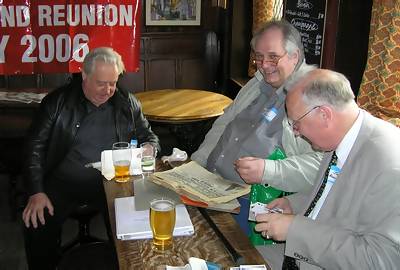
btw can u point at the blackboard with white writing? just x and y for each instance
(309, 18)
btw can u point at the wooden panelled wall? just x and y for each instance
(175, 60)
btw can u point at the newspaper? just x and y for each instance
(23, 97)
(196, 182)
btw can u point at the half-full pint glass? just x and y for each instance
(121, 154)
(162, 223)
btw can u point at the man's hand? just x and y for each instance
(35, 209)
(273, 225)
(250, 169)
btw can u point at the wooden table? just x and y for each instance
(205, 243)
(182, 105)
(187, 114)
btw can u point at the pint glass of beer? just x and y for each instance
(121, 154)
(162, 223)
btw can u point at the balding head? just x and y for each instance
(321, 107)
(323, 86)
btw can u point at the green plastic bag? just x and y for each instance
(264, 194)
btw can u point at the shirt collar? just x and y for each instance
(349, 139)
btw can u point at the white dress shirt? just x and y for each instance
(342, 152)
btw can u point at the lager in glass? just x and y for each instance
(121, 155)
(162, 223)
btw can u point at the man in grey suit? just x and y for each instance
(351, 220)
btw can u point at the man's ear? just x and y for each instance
(326, 114)
(295, 56)
(84, 75)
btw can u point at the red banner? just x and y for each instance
(38, 36)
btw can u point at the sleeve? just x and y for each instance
(37, 143)
(296, 173)
(142, 126)
(374, 244)
(243, 99)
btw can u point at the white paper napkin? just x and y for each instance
(177, 155)
(107, 166)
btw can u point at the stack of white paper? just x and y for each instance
(132, 224)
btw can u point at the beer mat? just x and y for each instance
(107, 166)
(132, 224)
(146, 191)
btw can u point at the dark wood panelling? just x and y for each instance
(2, 82)
(161, 74)
(133, 81)
(15, 82)
(175, 60)
(193, 74)
(53, 80)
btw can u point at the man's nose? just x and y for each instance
(109, 89)
(267, 66)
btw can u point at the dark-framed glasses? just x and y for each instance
(294, 123)
(271, 59)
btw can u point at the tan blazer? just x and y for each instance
(358, 226)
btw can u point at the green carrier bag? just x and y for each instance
(264, 194)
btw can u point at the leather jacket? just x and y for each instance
(55, 126)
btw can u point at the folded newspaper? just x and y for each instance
(23, 97)
(197, 183)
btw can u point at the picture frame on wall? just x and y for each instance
(173, 12)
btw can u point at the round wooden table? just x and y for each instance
(188, 114)
(182, 105)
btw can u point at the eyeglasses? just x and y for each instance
(294, 123)
(273, 60)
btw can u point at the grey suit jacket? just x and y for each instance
(358, 226)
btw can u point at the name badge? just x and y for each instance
(333, 174)
(270, 115)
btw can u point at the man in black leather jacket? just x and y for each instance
(74, 124)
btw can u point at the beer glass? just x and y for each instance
(121, 154)
(149, 153)
(162, 223)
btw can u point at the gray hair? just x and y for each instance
(291, 38)
(327, 87)
(105, 55)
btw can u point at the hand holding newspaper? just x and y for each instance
(196, 182)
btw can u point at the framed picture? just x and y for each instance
(173, 12)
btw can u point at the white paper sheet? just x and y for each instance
(132, 224)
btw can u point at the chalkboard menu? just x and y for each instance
(309, 18)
